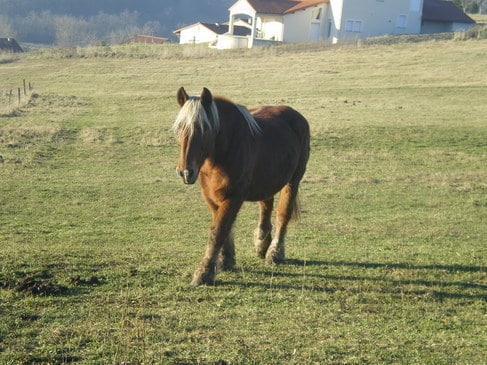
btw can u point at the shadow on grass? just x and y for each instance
(436, 289)
(375, 265)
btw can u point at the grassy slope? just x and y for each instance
(387, 264)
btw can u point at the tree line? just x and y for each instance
(67, 30)
(85, 22)
(472, 6)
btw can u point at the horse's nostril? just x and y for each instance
(187, 174)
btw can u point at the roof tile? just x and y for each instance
(282, 6)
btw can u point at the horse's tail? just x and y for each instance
(296, 209)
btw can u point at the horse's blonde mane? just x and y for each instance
(193, 114)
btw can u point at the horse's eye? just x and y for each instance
(199, 130)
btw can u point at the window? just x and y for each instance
(401, 21)
(316, 14)
(353, 26)
(357, 26)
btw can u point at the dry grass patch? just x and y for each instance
(98, 135)
(23, 136)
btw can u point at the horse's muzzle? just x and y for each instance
(188, 176)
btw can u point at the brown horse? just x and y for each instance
(240, 155)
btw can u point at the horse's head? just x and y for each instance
(196, 125)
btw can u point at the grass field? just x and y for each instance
(99, 237)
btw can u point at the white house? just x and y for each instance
(356, 19)
(276, 21)
(330, 20)
(209, 32)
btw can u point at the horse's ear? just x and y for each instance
(206, 98)
(182, 96)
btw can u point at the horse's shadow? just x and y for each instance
(376, 265)
(439, 289)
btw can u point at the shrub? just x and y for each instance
(476, 32)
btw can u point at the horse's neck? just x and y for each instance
(234, 135)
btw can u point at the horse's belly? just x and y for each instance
(270, 181)
(259, 196)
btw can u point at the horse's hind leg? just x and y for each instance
(285, 209)
(262, 234)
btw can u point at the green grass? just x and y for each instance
(99, 237)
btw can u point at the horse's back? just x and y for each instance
(275, 117)
(284, 124)
(283, 146)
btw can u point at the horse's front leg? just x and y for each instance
(226, 259)
(262, 234)
(223, 218)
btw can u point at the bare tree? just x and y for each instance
(72, 31)
(471, 5)
(36, 27)
(481, 4)
(6, 28)
(463, 3)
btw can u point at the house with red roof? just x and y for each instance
(277, 21)
(326, 20)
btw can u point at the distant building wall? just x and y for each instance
(370, 18)
(270, 27)
(305, 25)
(430, 27)
(197, 34)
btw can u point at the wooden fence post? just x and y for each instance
(10, 93)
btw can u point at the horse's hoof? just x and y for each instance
(274, 256)
(226, 265)
(262, 248)
(203, 277)
(262, 241)
(260, 252)
(197, 282)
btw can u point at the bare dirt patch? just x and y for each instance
(35, 285)
(43, 284)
